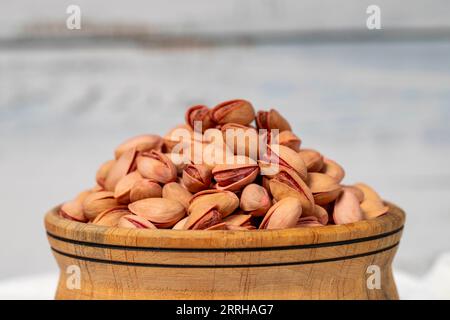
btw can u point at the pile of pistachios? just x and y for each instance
(226, 168)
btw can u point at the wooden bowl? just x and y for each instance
(332, 262)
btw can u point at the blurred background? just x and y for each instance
(376, 101)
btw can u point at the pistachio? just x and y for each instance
(369, 193)
(103, 172)
(319, 213)
(196, 177)
(289, 139)
(309, 221)
(284, 214)
(242, 140)
(272, 119)
(98, 202)
(324, 188)
(156, 166)
(287, 183)
(373, 208)
(180, 161)
(176, 136)
(237, 219)
(199, 113)
(313, 159)
(120, 169)
(175, 191)
(124, 186)
(73, 210)
(235, 176)
(199, 220)
(82, 195)
(111, 217)
(145, 188)
(180, 224)
(132, 221)
(163, 213)
(358, 193)
(224, 201)
(141, 143)
(278, 155)
(236, 111)
(333, 169)
(219, 226)
(346, 208)
(255, 200)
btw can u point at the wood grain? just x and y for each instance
(304, 263)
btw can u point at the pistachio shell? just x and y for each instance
(333, 169)
(313, 159)
(103, 172)
(255, 200)
(163, 213)
(289, 139)
(180, 224)
(219, 226)
(324, 188)
(145, 142)
(373, 208)
(358, 193)
(175, 191)
(287, 183)
(98, 202)
(237, 219)
(310, 221)
(124, 186)
(272, 120)
(320, 214)
(73, 210)
(225, 202)
(156, 166)
(145, 188)
(132, 221)
(111, 217)
(176, 136)
(242, 140)
(180, 161)
(369, 193)
(235, 111)
(82, 195)
(235, 176)
(346, 208)
(201, 114)
(284, 156)
(199, 220)
(196, 177)
(284, 214)
(120, 169)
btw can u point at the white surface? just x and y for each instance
(433, 285)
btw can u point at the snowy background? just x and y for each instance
(378, 102)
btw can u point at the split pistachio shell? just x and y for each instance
(255, 200)
(219, 226)
(288, 139)
(163, 213)
(272, 119)
(347, 209)
(199, 220)
(237, 219)
(199, 113)
(333, 169)
(235, 176)
(324, 188)
(103, 172)
(111, 217)
(235, 111)
(287, 183)
(141, 143)
(196, 177)
(284, 156)
(124, 186)
(242, 140)
(175, 191)
(98, 202)
(313, 159)
(180, 224)
(156, 166)
(284, 214)
(73, 210)
(145, 188)
(320, 214)
(120, 169)
(225, 202)
(132, 221)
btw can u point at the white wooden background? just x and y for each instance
(381, 108)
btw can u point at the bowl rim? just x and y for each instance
(61, 229)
